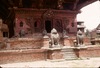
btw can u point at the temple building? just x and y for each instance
(33, 30)
(35, 16)
(37, 20)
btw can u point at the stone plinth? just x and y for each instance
(55, 53)
(45, 42)
(78, 50)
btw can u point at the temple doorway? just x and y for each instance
(48, 26)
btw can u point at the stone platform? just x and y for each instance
(25, 43)
(36, 49)
(88, 51)
(27, 55)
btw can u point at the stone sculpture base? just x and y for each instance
(55, 53)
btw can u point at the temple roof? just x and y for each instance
(73, 5)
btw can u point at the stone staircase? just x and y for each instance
(69, 54)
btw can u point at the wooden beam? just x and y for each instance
(11, 3)
(85, 4)
(75, 4)
(20, 3)
(69, 1)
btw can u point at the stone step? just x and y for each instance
(69, 54)
(67, 50)
(70, 57)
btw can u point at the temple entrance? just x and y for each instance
(48, 26)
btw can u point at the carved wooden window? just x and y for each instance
(21, 24)
(5, 34)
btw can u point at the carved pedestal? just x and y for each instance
(55, 53)
(82, 52)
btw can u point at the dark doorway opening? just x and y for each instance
(5, 34)
(48, 26)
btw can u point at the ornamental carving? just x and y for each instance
(48, 14)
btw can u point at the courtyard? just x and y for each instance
(83, 63)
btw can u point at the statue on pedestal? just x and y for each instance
(22, 33)
(44, 33)
(65, 34)
(79, 38)
(54, 38)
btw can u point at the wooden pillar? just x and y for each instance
(20, 3)
(1, 34)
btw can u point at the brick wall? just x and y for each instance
(88, 52)
(13, 56)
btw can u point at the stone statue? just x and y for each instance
(22, 33)
(65, 34)
(54, 38)
(79, 38)
(44, 32)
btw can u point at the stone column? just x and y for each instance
(1, 35)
